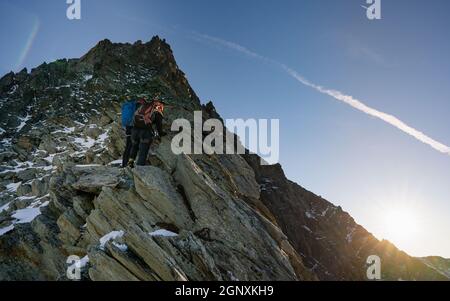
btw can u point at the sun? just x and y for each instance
(400, 223)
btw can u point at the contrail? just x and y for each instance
(347, 99)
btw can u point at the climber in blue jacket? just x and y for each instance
(128, 110)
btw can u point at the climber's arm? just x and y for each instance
(158, 124)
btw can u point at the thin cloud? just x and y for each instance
(347, 99)
(357, 49)
(228, 44)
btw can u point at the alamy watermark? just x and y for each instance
(220, 140)
(75, 267)
(373, 10)
(73, 11)
(374, 267)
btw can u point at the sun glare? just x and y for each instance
(401, 224)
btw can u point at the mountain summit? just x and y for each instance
(185, 217)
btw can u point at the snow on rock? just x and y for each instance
(84, 143)
(163, 232)
(24, 216)
(307, 228)
(13, 187)
(310, 215)
(65, 130)
(23, 122)
(87, 143)
(27, 215)
(13, 89)
(102, 138)
(121, 247)
(111, 236)
(349, 236)
(84, 261)
(5, 143)
(50, 158)
(22, 166)
(26, 198)
(87, 165)
(116, 162)
(5, 230)
(5, 207)
(231, 276)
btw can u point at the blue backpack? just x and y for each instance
(128, 110)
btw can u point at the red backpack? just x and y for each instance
(143, 117)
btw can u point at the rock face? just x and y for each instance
(185, 217)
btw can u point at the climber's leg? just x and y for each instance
(128, 145)
(144, 147)
(135, 139)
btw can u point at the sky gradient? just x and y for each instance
(399, 65)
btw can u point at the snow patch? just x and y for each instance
(13, 187)
(26, 198)
(324, 213)
(349, 237)
(88, 142)
(21, 166)
(307, 228)
(163, 232)
(116, 162)
(5, 230)
(88, 165)
(5, 207)
(50, 158)
(102, 138)
(24, 216)
(23, 122)
(110, 236)
(121, 247)
(27, 215)
(310, 215)
(85, 143)
(84, 261)
(65, 130)
(13, 89)
(231, 276)
(60, 87)
(5, 143)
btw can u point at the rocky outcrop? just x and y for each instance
(185, 217)
(215, 237)
(212, 234)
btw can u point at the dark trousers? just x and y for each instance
(127, 152)
(141, 140)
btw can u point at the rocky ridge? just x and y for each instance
(195, 217)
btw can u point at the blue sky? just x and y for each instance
(399, 65)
